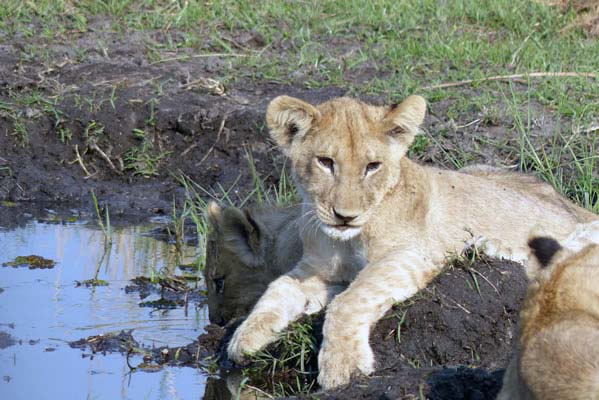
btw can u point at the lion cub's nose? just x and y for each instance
(344, 218)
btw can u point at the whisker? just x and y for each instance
(316, 225)
(307, 215)
(311, 224)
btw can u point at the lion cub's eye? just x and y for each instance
(327, 162)
(219, 284)
(371, 167)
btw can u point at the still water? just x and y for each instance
(42, 309)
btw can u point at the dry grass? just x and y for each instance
(587, 12)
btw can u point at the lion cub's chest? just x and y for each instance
(334, 260)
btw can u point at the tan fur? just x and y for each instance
(381, 223)
(557, 354)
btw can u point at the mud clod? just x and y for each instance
(6, 340)
(174, 290)
(464, 383)
(121, 342)
(91, 283)
(31, 262)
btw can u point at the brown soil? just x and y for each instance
(455, 339)
(102, 99)
(448, 324)
(587, 14)
(202, 135)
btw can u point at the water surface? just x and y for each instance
(43, 310)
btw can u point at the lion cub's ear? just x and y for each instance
(543, 248)
(243, 235)
(544, 251)
(289, 118)
(215, 215)
(402, 121)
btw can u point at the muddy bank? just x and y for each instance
(450, 341)
(129, 132)
(130, 128)
(466, 317)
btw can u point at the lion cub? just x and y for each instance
(557, 354)
(246, 250)
(382, 224)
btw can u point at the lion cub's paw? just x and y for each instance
(337, 363)
(252, 335)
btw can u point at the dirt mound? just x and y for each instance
(449, 341)
(466, 317)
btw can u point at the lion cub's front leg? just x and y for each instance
(284, 301)
(345, 349)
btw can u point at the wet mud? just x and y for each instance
(6, 340)
(175, 290)
(198, 354)
(133, 149)
(455, 337)
(450, 341)
(119, 342)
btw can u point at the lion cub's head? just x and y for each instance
(557, 354)
(562, 276)
(246, 250)
(345, 154)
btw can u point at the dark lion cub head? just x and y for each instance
(246, 250)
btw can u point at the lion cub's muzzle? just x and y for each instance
(344, 218)
(343, 226)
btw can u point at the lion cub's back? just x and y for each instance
(562, 362)
(529, 185)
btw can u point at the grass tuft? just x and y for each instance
(288, 367)
(103, 222)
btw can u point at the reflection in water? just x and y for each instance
(45, 305)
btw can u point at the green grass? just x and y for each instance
(409, 42)
(384, 48)
(289, 366)
(567, 159)
(103, 219)
(143, 159)
(262, 194)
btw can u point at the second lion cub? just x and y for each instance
(381, 223)
(557, 353)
